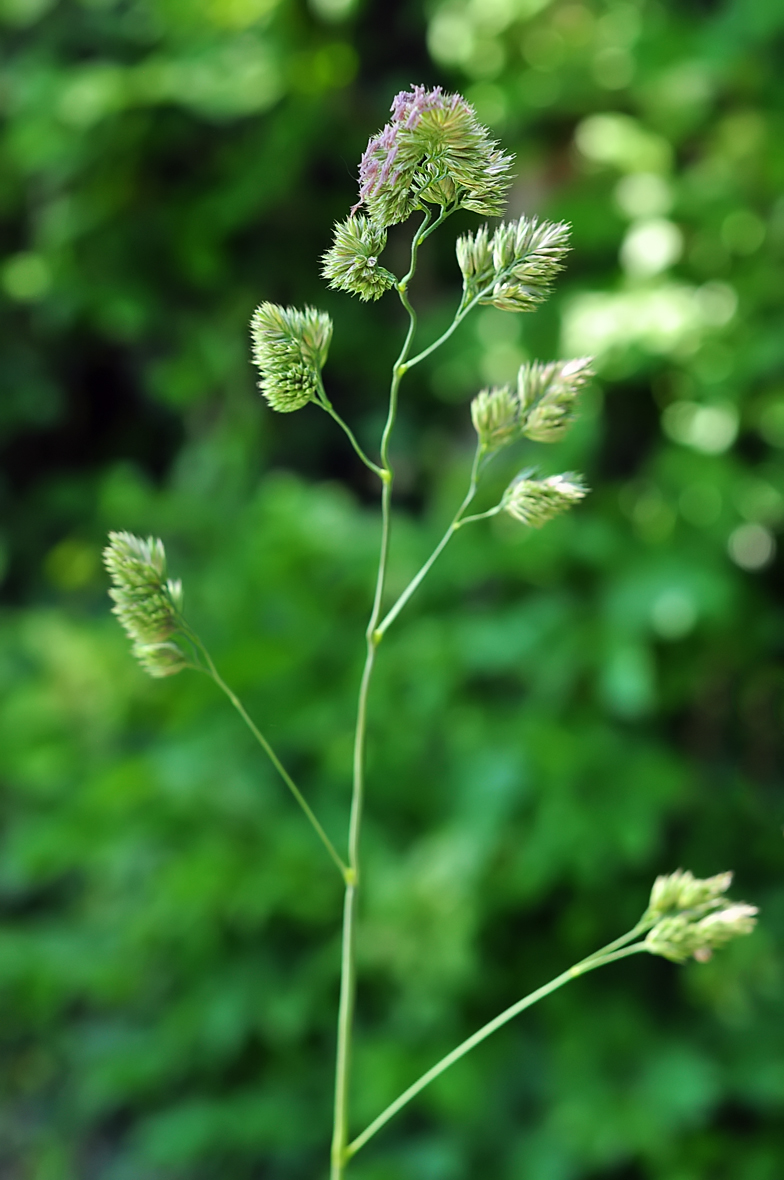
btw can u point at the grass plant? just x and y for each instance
(432, 159)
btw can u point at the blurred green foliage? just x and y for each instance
(556, 719)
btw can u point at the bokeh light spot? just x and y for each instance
(72, 564)
(771, 423)
(752, 546)
(26, 277)
(712, 429)
(673, 614)
(613, 67)
(643, 194)
(651, 247)
(621, 141)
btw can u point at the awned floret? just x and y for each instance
(435, 150)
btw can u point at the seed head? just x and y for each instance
(351, 263)
(683, 891)
(679, 937)
(548, 396)
(495, 414)
(147, 605)
(526, 257)
(692, 916)
(433, 149)
(290, 348)
(534, 502)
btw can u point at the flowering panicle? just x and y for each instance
(534, 502)
(692, 916)
(548, 396)
(433, 149)
(514, 270)
(540, 408)
(351, 263)
(147, 605)
(290, 348)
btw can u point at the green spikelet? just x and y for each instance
(290, 348)
(146, 604)
(351, 263)
(495, 414)
(534, 502)
(548, 396)
(515, 269)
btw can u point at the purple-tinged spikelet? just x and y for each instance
(433, 150)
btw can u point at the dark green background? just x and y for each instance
(556, 719)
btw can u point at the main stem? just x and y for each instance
(348, 957)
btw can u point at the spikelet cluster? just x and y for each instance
(515, 268)
(290, 349)
(548, 395)
(433, 149)
(534, 502)
(693, 916)
(146, 603)
(351, 263)
(541, 407)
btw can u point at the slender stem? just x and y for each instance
(339, 1156)
(326, 404)
(479, 516)
(268, 750)
(461, 313)
(611, 947)
(487, 1030)
(418, 578)
(463, 308)
(446, 211)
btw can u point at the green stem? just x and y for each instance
(339, 1154)
(417, 580)
(479, 516)
(461, 313)
(326, 404)
(611, 947)
(268, 750)
(464, 307)
(589, 964)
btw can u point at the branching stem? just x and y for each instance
(213, 673)
(597, 960)
(326, 404)
(418, 578)
(467, 304)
